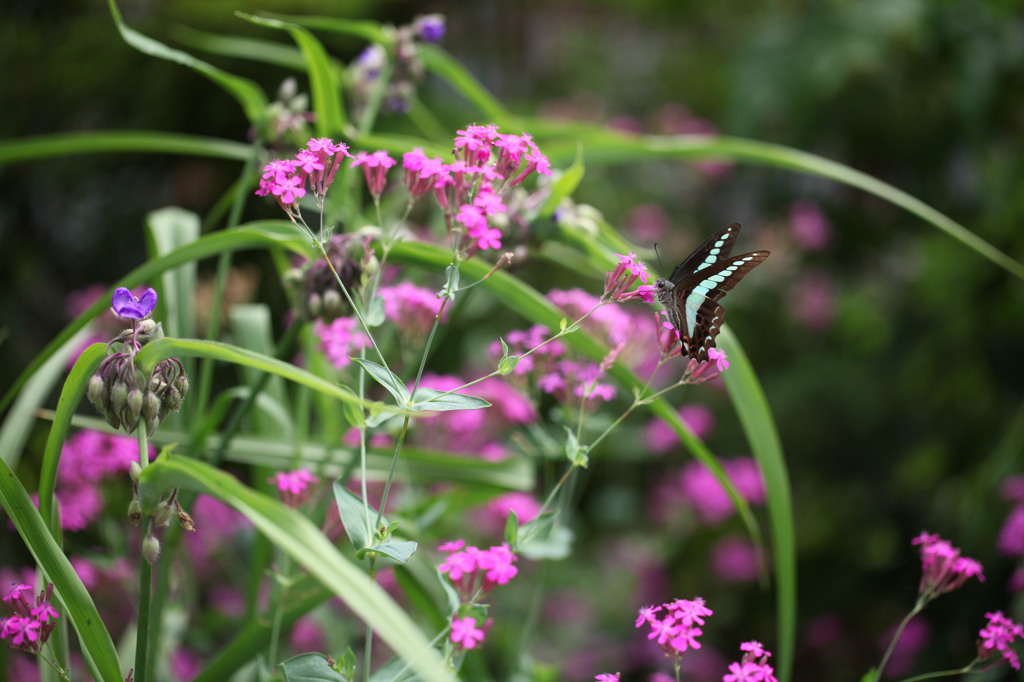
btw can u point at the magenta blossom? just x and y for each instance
(943, 569)
(752, 666)
(997, 636)
(474, 570)
(466, 633)
(127, 307)
(675, 625)
(295, 487)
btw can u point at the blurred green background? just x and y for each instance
(891, 355)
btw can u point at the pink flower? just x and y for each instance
(677, 630)
(735, 559)
(375, 169)
(339, 339)
(1011, 536)
(719, 358)
(810, 228)
(410, 307)
(295, 487)
(752, 666)
(471, 569)
(942, 568)
(660, 437)
(608, 677)
(997, 636)
(622, 277)
(466, 633)
(495, 513)
(701, 489)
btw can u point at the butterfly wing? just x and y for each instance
(695, 310)
(714, 250)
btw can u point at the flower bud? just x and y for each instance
(162, 515)
(334, 307)
(172, 399)
(134, 511)
(152, 424)
(97, 393)
(292, 279)
(314, 306)
(134, 471)
(129, 421)
(119, 397)
(150, 406)
(185, 521)
(112, 419)
(181, 383)
(135, 402)
(151, 549)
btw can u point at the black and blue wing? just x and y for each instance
(692, 293)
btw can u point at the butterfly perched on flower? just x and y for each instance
(691, 294)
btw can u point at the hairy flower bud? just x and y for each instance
(162, 515)
(150, 406)
(334, 307)
(181, 383)
(135, 402)
(172, 399)
(314, 305)
(97, 393)
(292, 278)
(134, 511)
(151, 549)
(119, 397)
(112, 419)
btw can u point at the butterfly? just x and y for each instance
(691, 294)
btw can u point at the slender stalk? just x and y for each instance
(145, 579)
(896, 637)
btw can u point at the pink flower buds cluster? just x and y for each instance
(30, 626)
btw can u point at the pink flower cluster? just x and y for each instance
(295, 487)
(623, 276)
(31, 625)
(675, 625)
(340, 339)
(752, 666)
(474, 570)
(87, 458)
(942, 568)
(466, 633)
(997, 636)
(470, 189)
(697, 486)
(286, 179)
(410, 307)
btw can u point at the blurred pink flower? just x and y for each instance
(814, 296)
(492, 518)
(735, 559)
(1011, 536)
(913, 639)
(307, 635)
(660, 437)
(412, 308)
(648, 222)
(697, 486)
(811, 230)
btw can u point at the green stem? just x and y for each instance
(895, 638)
(145, 578)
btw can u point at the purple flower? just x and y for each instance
(430, 27)
(128, 307)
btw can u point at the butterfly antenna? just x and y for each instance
(661, 268)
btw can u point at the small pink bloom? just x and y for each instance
(466, 632)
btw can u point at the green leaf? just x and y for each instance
(324, 86)
(356, 515)
(451, 282)
(169, 229)
(374, 315)
(512, 528)
(441, 401)
(541, 538)
(755, 416)
(399, 550)
(39, 147)
(563, 186)
(73, 599)
(158, 350)
(248, 94)
(574, 452)
(310, 668)
(383, 376)
(296, 535)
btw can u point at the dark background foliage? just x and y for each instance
(903, 413)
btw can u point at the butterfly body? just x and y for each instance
(692, 293)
